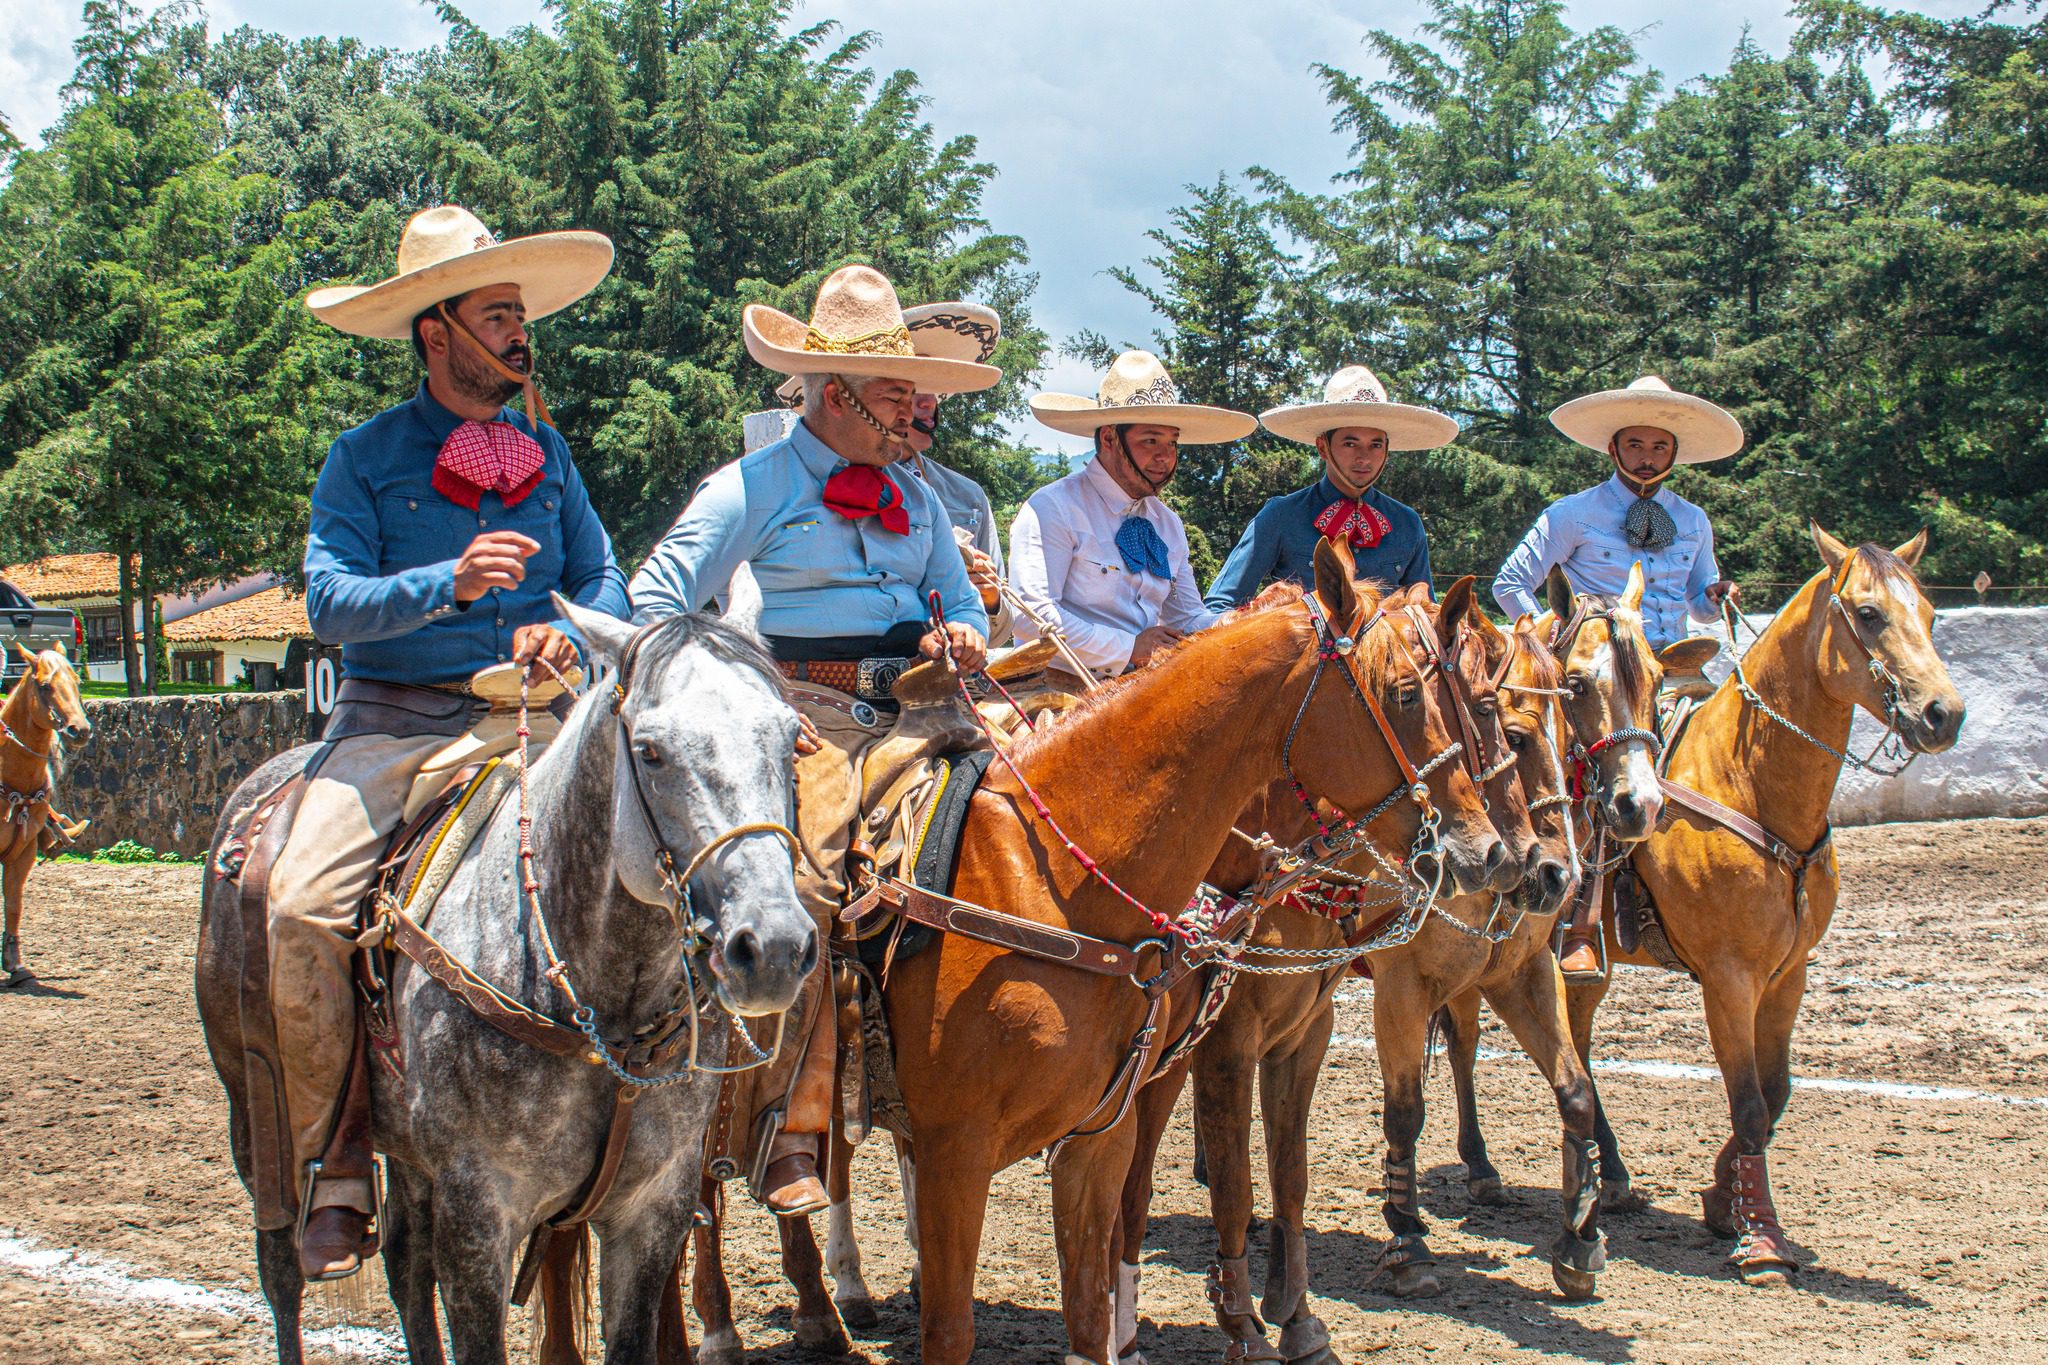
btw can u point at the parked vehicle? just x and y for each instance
(36, 628)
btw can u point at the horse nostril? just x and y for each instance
(1496, 857)
(1625, 805)
(1553, 877)
(743, 953)
(1936, 716)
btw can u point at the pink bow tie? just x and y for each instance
(487, 457)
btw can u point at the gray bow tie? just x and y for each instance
(1648, 526)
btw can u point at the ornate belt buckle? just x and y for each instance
(875, 677)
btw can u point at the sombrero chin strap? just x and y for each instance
(536, 408)
(1646, 525)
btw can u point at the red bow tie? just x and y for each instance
(1352, 520)
(487, 457)
(861, 490)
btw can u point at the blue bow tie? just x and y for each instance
(1142, 548)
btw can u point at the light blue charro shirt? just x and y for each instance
(822, 575)
(1584, 534)
(1280, 544)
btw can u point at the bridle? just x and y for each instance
(1446, 662)
(1564, 636)
(692, 930)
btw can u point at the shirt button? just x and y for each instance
(412, 504)
(500, 622)
(483, 521)
(547, 504)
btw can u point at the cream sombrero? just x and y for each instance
(1354, 397)
(856, 328)
(1138, 390)
(446, 251)
(1704, 431)
(954, 330)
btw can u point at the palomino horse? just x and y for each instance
(42, 707)
(650, 816)
(1767, 749)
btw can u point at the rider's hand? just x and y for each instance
(1724, 589)
(964, 643)
(807, 740)
(540, 646)
(1150, 639)
(981, 572)
(495, 559)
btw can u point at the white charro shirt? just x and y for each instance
(1584, 534)
(1065, 564)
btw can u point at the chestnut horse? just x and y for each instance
(43, 706)
(1858, 634)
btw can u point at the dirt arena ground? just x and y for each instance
(1918, 1200)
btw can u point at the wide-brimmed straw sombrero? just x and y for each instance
(954, 330)
(856, 329)
(1704, 431)
(1138, 390)
(1354, 397)
(447, 251)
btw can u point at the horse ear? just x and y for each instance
(1457, 605)
(27, 657)
(1632, 595)
(743, 602)
(1335, 587)
(604, 637)
(1557, 593)
(1833, 552)
(1913, 549)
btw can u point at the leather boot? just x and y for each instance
(1578, 954)
(331, 1247)
(1581, 960)
(790, 1185)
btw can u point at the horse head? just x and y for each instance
(1384, 731)
(1480, 655)
(702, 789)
(56, 692)
(1532, 715)
(1877, 642)
(1610, 683)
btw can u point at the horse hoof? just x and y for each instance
(1717, 1211)
(1619, 1196)
(721, 1348)
(822, 1334)
(1486, 1189)
(1768, 1276)
(1575, 1285)
(1416, 1282)
(859, 1314)
(20, 976)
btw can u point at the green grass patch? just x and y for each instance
(126, 851)
(118, 689)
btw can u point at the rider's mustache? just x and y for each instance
(517, 356)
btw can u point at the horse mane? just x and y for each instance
(1546, 668)
(1633, 664)
(722, 641)
(1886, 565)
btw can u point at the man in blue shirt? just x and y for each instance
(1353, 429)
(848, 554)
(438, 530)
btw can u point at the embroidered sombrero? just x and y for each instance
(1354, 397)
(856, 329)
(447, 251)
(1138, 390)
(1704, 431)
(953, 330)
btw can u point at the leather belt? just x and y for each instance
(869, 679)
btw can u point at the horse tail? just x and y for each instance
(561, 1316)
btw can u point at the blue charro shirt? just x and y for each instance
(1281, 541)
(382, 547)
(822, 575)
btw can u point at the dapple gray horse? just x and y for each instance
(487, 1137)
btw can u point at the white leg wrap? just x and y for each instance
(1126, 1305)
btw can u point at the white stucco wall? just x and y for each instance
(1998, 658)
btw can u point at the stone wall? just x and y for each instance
(157, 769)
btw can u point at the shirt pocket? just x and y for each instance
(420, 528)
(537, 516)
(799, 553)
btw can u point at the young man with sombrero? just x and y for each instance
(1097, 552)
(439, 528)
(1353, 430)
(1597, 535)
(847, 552)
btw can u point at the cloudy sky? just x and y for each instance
(1095, 114)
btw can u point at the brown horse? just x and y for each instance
(43, 706)
(1858, 634)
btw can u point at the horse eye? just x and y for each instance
(647, 753)
(1869, 613)
(1517, 740)
(1576, 685)
(1410, 696)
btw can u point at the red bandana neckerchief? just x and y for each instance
(487, 457)
(1349, 519)
(861, 490)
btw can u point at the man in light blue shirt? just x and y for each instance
(1598, 534)
(847, 554)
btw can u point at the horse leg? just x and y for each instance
(842, 1250)
(1401, 1014)
(710, 1293)
(1460, 1019)
(284, 1287)
(636, 1265)
(408, 1244)
(1531, 1004)
(1765, 1256)
(952, 1203)
(13, 879)
(475, 1243)
(1617, 1192)
(816, 1321)
(1739, 1200)
(1288, 1087)
(1155, 1111)
(1087, 1192)
(1224, 1070)
(906, 1174)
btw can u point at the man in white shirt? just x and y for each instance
(1598, 534)
(1097, 553)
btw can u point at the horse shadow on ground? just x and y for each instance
(39, 988)
(1003, 1331)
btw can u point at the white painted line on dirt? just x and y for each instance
(1685, 1071)
(102, 1278)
